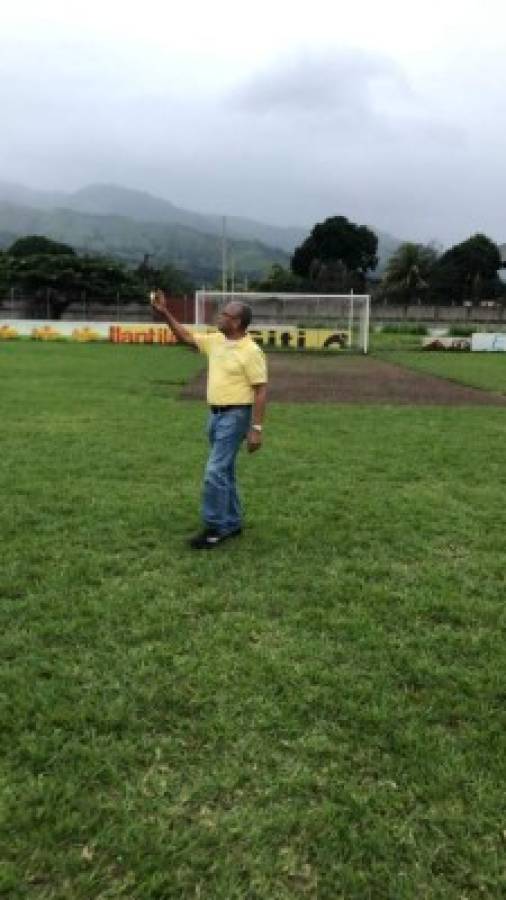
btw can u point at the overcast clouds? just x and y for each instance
(387, 113)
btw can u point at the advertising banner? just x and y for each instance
(491, 342)
(42, 329)
(278, 336)
(446, 343)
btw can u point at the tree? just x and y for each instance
(53, 276)
(173, 281)
(35, 245)
(467, 272)
(408, 272)
(279, 280)
(336, 253)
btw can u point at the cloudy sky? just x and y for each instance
(390, 113)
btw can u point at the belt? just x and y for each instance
(222, 409)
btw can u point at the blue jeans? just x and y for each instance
(221, 509)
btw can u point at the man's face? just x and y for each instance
(229, 320)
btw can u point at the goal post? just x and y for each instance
(347, 314)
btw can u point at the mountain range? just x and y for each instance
(127, 224)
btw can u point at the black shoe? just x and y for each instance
(209, 538)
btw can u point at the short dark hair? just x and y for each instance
(245, 314)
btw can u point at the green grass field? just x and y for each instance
(317, 710)
(379, 341)
(404, 340)
(482, 370)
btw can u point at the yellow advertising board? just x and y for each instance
(280, 336)
(141, 334)
(7, 333)
(291, 337)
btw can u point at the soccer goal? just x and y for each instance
(345, 314)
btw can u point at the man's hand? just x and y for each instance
(160, 304)
(254, 440)
(158, 301)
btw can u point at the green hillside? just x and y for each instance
(109, 201)
(195, 252)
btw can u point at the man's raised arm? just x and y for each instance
(159, 302)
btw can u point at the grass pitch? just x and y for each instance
(316, 710)
(482, 370)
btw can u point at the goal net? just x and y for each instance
(345, 316)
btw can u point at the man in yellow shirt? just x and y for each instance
(237, 395)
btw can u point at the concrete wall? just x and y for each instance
(273, 312)
(425, 313)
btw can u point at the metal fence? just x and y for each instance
(14, 306)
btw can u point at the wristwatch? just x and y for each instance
(257, 428)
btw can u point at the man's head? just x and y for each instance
(234, 319)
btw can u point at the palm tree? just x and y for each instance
(408, 272)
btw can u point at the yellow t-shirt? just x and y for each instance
(234, 367)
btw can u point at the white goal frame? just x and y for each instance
(348, 312)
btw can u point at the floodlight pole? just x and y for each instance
(224, 255)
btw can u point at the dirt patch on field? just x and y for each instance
(304, 378)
